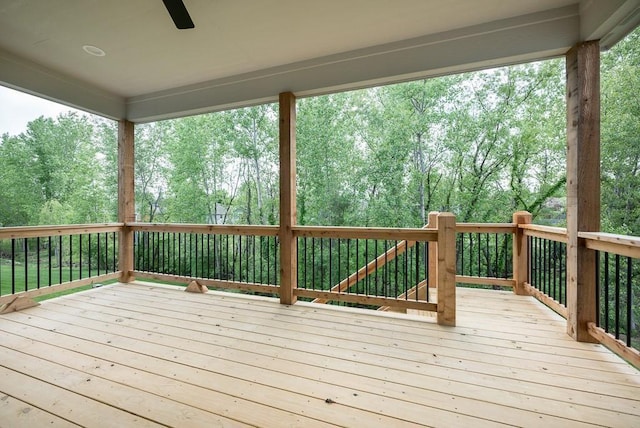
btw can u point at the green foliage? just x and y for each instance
(327, 159)
(620, 132)
(55, 173)
(476, 144)
(620, 172)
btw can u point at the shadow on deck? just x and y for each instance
(147, 354)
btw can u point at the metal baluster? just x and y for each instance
(416, 280)
(60, 259)
(50, 267)
(253, 245)
(629, 301)
(426, 268)
(497, 255)
(70, 258)
(275, 261)
(13, 266)
(606, 292)
(38, 262)
(406, 270)
(25, 252)
(598, 297)
(617, 297)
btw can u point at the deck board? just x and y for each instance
(24, 415)
(156, 355)
(369, 336)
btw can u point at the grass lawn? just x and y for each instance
(32, 278)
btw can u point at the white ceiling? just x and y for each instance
(242, 52)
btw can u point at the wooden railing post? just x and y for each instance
(126, 197)
(520, 253)
(288, 248)
(583, 184)
(446, 269)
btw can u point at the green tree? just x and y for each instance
(198, 157)
(54, 160)
(20, 190)
(620, 135)
(150, 168)
(327, 161)
(253, 139)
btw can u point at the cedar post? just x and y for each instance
(446, 269)
(583, 184)
(126, 197)
(520, 253)
(288, 247)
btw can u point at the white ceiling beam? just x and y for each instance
(26, 76)
(507, 41)
(608, 20)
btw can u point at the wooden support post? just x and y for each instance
(288, 247)
(583, 184)
(446, 269)
(126, 198)
(520, 253)
(433, 253)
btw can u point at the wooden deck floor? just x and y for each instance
(141, 355)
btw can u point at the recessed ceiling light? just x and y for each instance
(93, 50)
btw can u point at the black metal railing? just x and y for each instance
(548, 267)
(368, 267)
(30, 263)
(485, 255)
(618, 297)
(224, 257)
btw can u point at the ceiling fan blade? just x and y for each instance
(179, 14)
